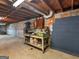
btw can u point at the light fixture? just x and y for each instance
(29, 0)
(1, 18)
(17, 3)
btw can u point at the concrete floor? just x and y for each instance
(15, 49)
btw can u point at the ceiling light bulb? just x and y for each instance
(1, 18)
(17, 3)
(29, 0)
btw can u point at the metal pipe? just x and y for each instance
(27, 5)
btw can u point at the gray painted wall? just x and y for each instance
(66, 34)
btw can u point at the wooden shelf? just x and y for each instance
(35, 36)
(37, 45)
(44, 41)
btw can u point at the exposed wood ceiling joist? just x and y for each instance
(25, 13)
(29, 11)
(54, 4)
(40, 5)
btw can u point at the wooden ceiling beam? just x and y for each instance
(21, 13)
(6, 6)
(2, 15)
(26, 12)
(7, 21)
(60, 3)
(76, 2)
(14, 13)
(30, 11)
(13, 17)
(66, 3)
(5, 2)
(4, 11)
(54, 4)
(40, 6)
(19, 16)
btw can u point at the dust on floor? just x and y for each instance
(18, 50)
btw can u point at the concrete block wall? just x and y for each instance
(20, 27)
(67, 14)
(11, 30)
(16, 29)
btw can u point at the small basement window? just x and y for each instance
(3, 28)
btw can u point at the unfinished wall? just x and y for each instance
(11, 30)
(67, 14)
(16, 29)
(20, 27)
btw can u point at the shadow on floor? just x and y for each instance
(68, 52)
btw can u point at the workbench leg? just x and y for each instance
(43, 51)
(43, 46)
(25, 41)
